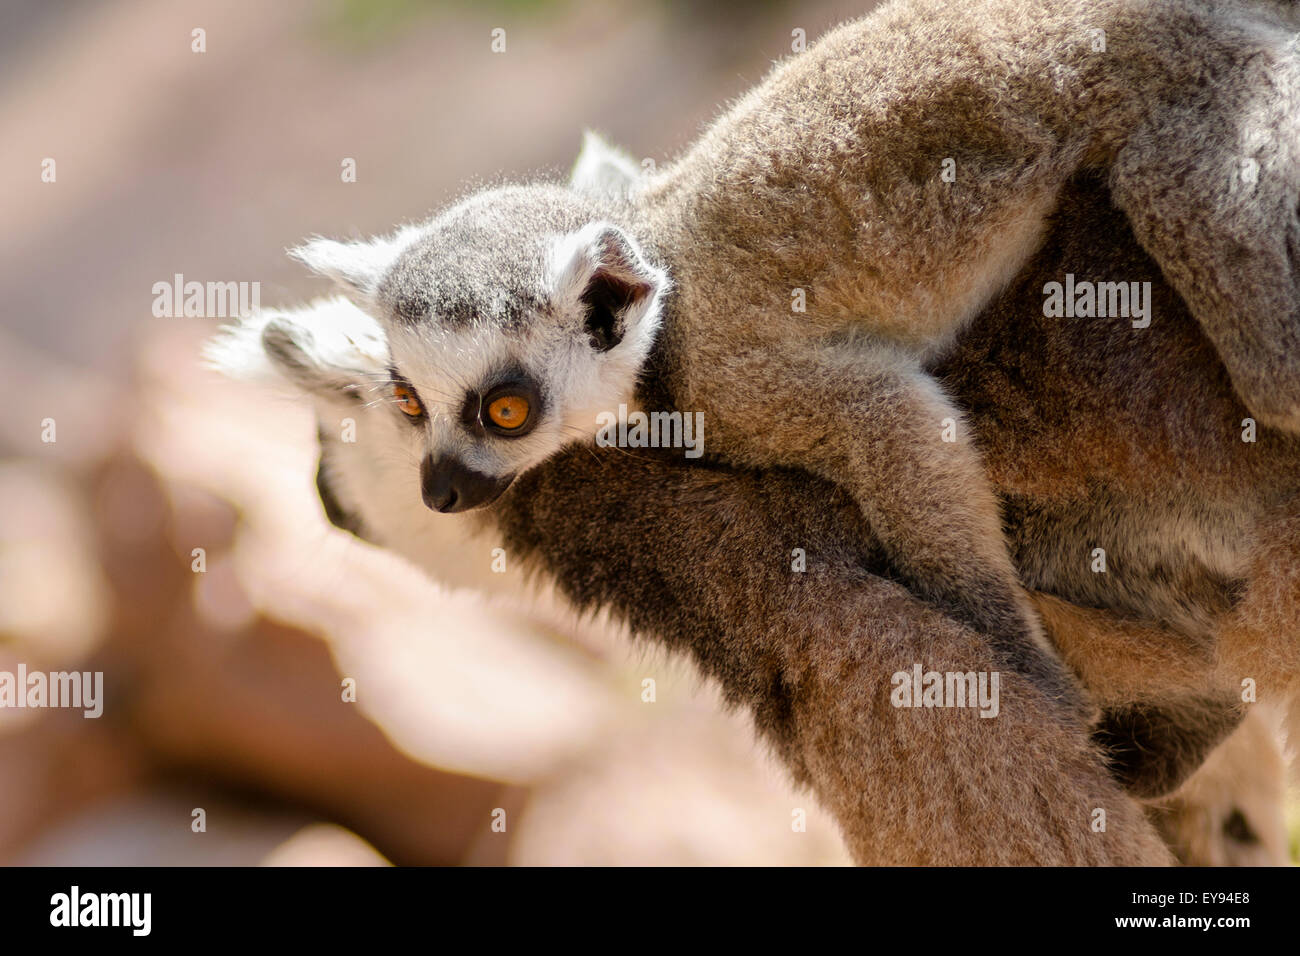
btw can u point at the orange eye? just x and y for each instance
(508, 412)
(407, 401)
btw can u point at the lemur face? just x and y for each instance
(467, 350)
(512, 320)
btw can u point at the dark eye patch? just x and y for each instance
(397, 378)
(511, 380)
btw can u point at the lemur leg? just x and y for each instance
(1215, 204)
(873, 422)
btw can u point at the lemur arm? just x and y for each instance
(871, 421)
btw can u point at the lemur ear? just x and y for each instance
(600, 271)
(603, 170)
(356, 267)
(331, 349)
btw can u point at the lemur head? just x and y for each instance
(511, 320)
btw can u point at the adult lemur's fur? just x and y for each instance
(1096, 435)
(829, 178)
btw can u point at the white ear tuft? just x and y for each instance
(357, 267)
(236, 351)
(603, 170)
(330, 347)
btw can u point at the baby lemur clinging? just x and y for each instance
(517, 315)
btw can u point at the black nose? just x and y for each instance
(449, 486)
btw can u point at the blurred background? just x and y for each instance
(224, 688)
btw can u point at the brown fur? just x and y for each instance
(826, 178)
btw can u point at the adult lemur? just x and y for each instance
(892, 179)
(1201, 531)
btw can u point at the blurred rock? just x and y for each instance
(323, 844)
(258, 660)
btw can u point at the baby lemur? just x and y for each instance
(833, 230)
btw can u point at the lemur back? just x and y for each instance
(900, 170)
